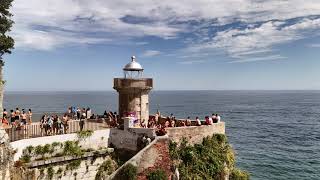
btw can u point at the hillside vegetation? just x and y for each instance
(213, 159)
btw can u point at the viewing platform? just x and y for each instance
(123, 83)
(35, 130)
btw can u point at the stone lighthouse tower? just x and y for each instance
(133, 91)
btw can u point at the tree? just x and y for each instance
(6, 42)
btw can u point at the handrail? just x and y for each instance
(36, 130)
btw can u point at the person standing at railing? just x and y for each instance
(82, 119)
(198, 121)
(43, 124)
(218, 118)
(60, 126)
(12, 116)
(55, 125)
(173, 122)
(188, 121)
(88, 113)
(49, 125)
(17, 114)
(29, 116)
(78, 113)
(5, 113)
(5, 118)
(5, 122)
(23, 118)
(157, 116)
(65, 124)
(81, 124)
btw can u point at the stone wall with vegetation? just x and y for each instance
(91, 167)
(211, 159)
(65, 160)
(97, 139)
(153, 157)
(195, 134)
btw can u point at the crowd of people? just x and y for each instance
(171, 121)
(16, 117)
(52, 125)
(49, 124)
(112, 117)
(80, 113)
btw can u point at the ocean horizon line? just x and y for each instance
(159, 90)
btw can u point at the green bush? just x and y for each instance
(128, 172)
(46, 149)
(25, 158)
(203, 161)
(50, 172)
(55, 144)
(29, 149)
(72, 148)
(106, 168)
(84, 134)
(59, 171)
(237, 174)
(75, 164)
(38, 150)
(158, 174)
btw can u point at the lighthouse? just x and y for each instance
(133, 91)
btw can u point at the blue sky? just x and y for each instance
(199, 44)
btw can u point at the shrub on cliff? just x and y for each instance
(128, 172)
(72, 148)
(237, 174)
(158, 174)
(105, 169)
(209, 160)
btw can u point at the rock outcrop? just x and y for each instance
(6, 155)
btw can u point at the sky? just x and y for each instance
(81, 45)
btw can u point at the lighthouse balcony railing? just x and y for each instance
(126, 82)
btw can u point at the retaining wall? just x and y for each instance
(128, 139)
(195, 134)
(153, 156)
(99, 138)
(62, 168)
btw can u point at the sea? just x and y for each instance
(275, 134)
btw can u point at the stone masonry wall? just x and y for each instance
(98, 139)
(87, 169)
(127, 139)
(154, 156)
(195, 134)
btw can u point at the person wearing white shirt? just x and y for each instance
(198, 121)
(218, 118)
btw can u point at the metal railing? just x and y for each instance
(141, 82)
(36, 130)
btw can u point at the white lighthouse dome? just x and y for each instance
(133, 65)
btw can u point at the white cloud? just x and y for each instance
(262, 58)
(150, 53)
(259, 40)
(191, 62)
(48, 24)
(313, 45)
